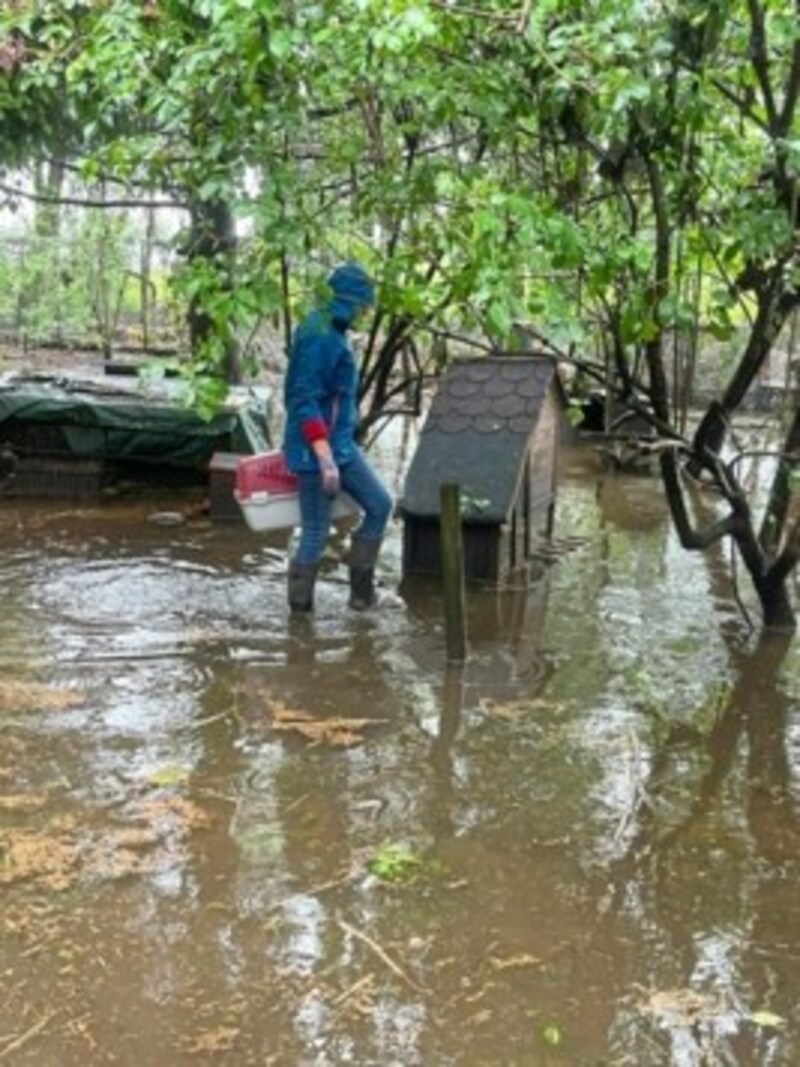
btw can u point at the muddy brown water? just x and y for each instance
(583, 848)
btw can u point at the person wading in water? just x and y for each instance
(321, 399)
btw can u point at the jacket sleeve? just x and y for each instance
(315, 359)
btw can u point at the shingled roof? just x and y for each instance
(476, 434)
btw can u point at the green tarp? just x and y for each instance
(137, 423)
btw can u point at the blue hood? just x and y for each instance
(352, 290)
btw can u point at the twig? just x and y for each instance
(356, 987)
(382, 955)
(18, 1042)
(235, 818)
(207, 720)
(458, 337)
(213, 795)
(295, 804)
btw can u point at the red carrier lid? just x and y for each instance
(264, 473)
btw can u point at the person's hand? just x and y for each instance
(331, 480)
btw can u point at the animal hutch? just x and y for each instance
(493, 428)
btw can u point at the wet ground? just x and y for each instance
(226, 837)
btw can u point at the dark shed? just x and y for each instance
(493, 428)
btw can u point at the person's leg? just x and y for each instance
(315, 519)
(369, 492)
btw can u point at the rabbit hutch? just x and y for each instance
(493, 428)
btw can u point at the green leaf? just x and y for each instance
(551, 1035)
(499, 319)
(767, 1020)
(168, 776)
(280, 43)
(574, 415)
(395, 863)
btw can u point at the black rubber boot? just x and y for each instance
(302, 577)
(363, 555)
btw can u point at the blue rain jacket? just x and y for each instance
(322, 377)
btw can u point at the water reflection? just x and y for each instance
(602, 805)
(714, 862)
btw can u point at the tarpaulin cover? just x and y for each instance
(138, 423)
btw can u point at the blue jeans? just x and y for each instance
(363, 485)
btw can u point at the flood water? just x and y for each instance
(583, 848)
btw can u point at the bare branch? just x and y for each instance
(689, 537)
(69, 201)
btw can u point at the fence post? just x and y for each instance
(452, 554)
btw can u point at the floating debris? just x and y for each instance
(524, 959)
(23, 802)
(683, 1007)
(335, 732)
(220, 1039)
(553, 549)
(18, 696)
(48, 857)
(514, 710)
(167, 518)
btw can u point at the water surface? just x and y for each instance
(582, 848)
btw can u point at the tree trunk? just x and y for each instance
(213, 238)
(654, 349)
(776, 604)
(769, 321)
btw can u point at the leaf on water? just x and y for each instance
(513, 710)
(683, 1007)
(220, 1039)
(19, 696)
(133, 838)
(22, 802)
(48, 858)
(170, 813)
(165, 777)
(551, 1035)
(336, 732)
(281, 714)
(395, 862)
(767, 1019)
(481, 1017)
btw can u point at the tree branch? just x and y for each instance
(104, 176)
(689, 538)
(792, 84)
(760, 60)
(68, 201)
(741, 104)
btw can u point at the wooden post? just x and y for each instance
(452, 551)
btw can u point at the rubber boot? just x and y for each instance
(363, 554)
(302, 577)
